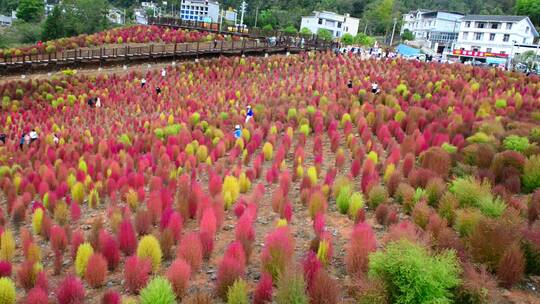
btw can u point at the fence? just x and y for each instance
(104, 55)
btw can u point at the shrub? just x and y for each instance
(412, 275)
(420, 214)
(190, 249)
(7, 246)
(516, 143)
(244, 183)
(136, 273)
(377, 195)
(5, 269)
(362, 243)
(127, 239)
(447, 207)
(230, 191)
(37, 218)
(381, 213)
(491, 238)
(178, 274)
(343, 198)
(369, 291)
(531, 174)
(278, 252)
(96, 270)
(77, 238)
(84, 252)
(466, 221)
(77, 193)
(324, 289)
(230, 269)
(478, 286)
(238, 293)
(435, 189)
(511, 266)
(198, 298)
(356, 203)
(263, 291)
(109, 248)
(149, 248)
(158, 291)
(7, 291)
(58, 238)
(70, 291)
(268, 151)
(111, 297)
(437, 160)
(472, 193)
(37, 296)
(291, 288)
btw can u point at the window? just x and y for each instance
(488, 50)
(524, 40)
(491, 37)
(320, 21)
(506, 36)
(495, 25)
(468, 24)
(527, 30)
(508, 26)
(466, 36)
(476, 48)
(478, 36)
(338, 34)
(480, 24)
(339, 24)
(503, 52)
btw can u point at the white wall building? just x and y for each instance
(436, 30)
(494, 36)
(199, 10)
(336, 24)
(6, 20)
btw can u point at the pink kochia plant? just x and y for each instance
(136, 273)
(278, 251)
(207, 231)
(231, 268)
(362, 243)
(127, 239)
(263, 291)
(70, 290)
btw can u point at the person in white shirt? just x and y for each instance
(33, 135)
(163, 73)
(143, 82)
(55, 139)
(98, 103)
(375, 88)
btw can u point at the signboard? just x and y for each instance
(478, 54)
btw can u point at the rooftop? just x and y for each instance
(506, 18)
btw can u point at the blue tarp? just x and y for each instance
(406, 50)
(496, 60)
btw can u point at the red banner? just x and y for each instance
(478, 54)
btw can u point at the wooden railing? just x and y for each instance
(103, 55)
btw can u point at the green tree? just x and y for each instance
(324, 34)
(529, 8)
(380, 15)
(84, 16)
(31, 10)
(364, 40)
(347, 39)
(26, 32)
(305, 31)
(53, 28)
(6, 6)
(407, 35)
(291, 30)
(268, 27)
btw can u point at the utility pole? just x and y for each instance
(243, 8)
(220, 19)
(393, 31)
(365, 28)
(256, 15)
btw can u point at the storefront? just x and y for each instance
(484, 57)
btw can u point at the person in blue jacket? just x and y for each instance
(249, 114)
(237, 132)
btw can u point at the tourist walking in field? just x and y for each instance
(55, 139)
(143, 82)
(21, 143)
(33, 136)
(237, 132)
(98, 102)
(163, 73)
(249, 114)
(375, 88)
(349, 84)
(3, 138)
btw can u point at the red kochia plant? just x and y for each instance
(190, 249)
(178, 274)
(245, 233)
(207, 231)
(437, 160)
(263, 291)
(77, 238)
(323, 289)
(37, 296)
(70, 291)
(408, 164)
(96, 271)
(136, 273)
(26, 275)
(5, 269)
(143, 222)
(109, 249)
(111, 297)
(127, 240)
(278, 251)
(214, 184)
(362, 243)
(231, 268)
(176, 224)
(511, 266)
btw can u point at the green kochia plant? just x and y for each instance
(412, 275)
(473, 193)
(517, 143)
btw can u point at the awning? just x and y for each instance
(406, 50)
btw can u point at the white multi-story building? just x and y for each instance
(487, 37)
(436, 30)
(199, 10)
(336, 24)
